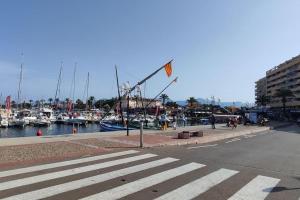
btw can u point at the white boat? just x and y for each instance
(4, 122)
(77, 120)
(61, 118)
(27, 115)
(42, 121)
(17, 122)
(48, 112)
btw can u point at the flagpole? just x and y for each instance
(119, 95)
(161, 92)
(145, 79)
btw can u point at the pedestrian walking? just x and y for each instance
(213, 121)
(174, 122)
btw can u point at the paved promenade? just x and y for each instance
(32, 149)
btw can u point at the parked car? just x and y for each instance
(204, 121)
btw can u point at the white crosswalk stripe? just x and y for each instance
(62, 164)
(143, 183)
(57, 189)
(199, 186)
(257, 189)
(69, 172)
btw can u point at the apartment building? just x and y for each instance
(285, 75)
(260, 89)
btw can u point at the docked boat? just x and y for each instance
(48, 112)
(4, 122)
(27, 115)
(105, 127)
(17, 122)
(42, 121)
(76, 119)
(61, 118)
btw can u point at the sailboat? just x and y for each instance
(108, 123)
(112, 127)
(75, 118)
(17, 119)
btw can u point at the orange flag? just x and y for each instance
(168, 68)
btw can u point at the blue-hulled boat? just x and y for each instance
(105, 127)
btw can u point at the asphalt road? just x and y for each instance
(264, 165)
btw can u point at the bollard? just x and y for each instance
(141, 134)
(39, 132)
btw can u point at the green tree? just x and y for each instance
(13, 104)
(106, 108)
(284, 94)
(50, 101)
(164, 98)
(42, 101)
(91, 101)
(98, 103)
(30, 101)
(171, 104)
(262, 100)
(192, 102)
(79, 104)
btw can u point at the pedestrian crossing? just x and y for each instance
(121, 164)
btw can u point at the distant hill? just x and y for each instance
(204, 101)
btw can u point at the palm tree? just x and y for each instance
(283, 94)
(42, 101)
(79, 104)
(262, 100)
(30, 101)
(50, 101)
(192, 102)
(91, 101)
(56, 101)
(164, 98)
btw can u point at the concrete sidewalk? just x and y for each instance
(30, 150)
(221, 131)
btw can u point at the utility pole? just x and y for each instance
(127, 115)
(141, 134)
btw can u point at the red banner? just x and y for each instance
(8, 103)
(69, 106)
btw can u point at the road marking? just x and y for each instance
(199, 186)
(209, 145)
(69, 172)
(257, 189)
(249, 136)
(233, 140)
(138, 185)
(73, 185)
(64, 163)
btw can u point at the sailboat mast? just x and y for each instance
(20, 84)
(120, 99)
(148, 77)
(174, 81)
(1, 100)
(57, 92)
(87, 90)
(74, 80)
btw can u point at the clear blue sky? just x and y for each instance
(219, 47)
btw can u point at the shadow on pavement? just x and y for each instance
(290, 129)
(279, 189)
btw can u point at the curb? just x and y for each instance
(281, 126)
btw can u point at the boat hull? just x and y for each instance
(105, 127)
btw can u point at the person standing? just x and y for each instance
(213, 121)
